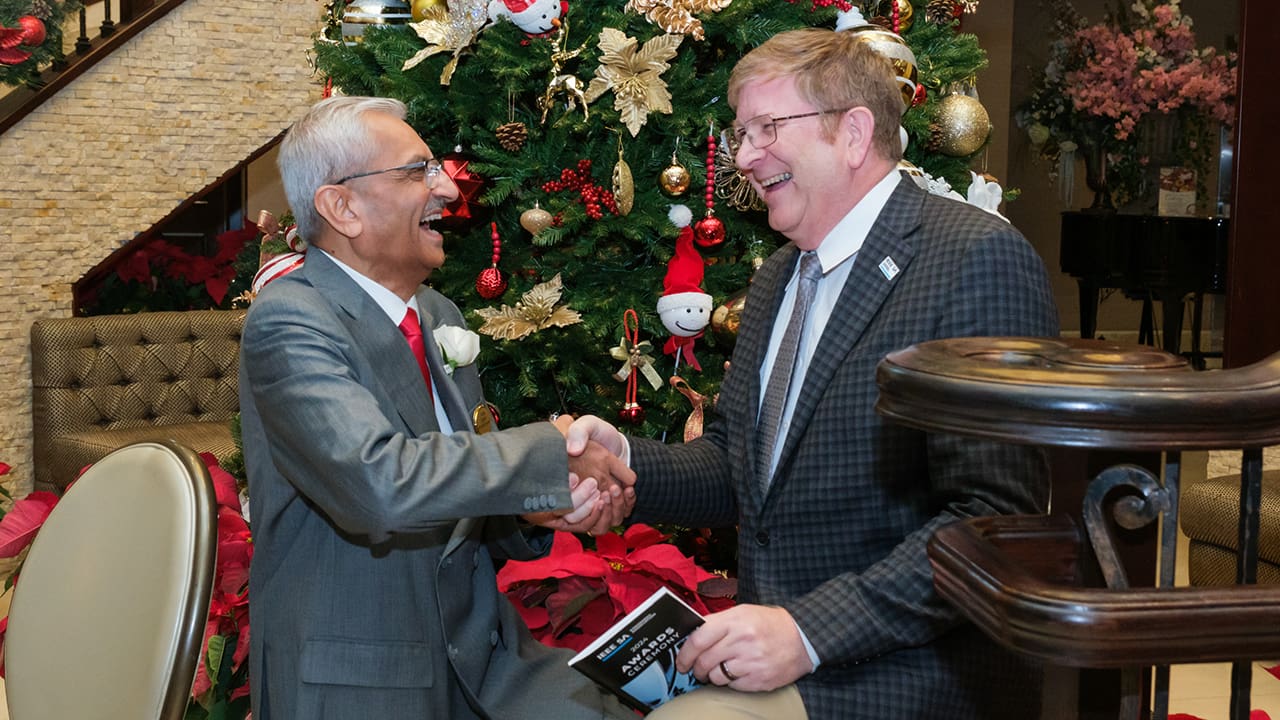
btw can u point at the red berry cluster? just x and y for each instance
(844, 5)
(591, 195)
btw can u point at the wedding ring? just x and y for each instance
(724, 669)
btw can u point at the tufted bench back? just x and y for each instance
(99, 383)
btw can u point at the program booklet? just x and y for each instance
(636, 658)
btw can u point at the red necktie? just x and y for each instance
(412, 332)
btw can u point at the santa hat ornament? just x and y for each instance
(535, 17)
(684, 308)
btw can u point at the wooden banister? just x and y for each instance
(136, 15)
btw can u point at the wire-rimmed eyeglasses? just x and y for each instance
(762, 130)
(428, 170)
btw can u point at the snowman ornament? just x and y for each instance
(535, 17)
(684, 308)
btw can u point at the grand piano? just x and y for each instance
(1150, 258)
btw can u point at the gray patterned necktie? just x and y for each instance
(775, 395)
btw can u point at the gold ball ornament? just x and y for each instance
(535, 219)
(893, 47)
(963, 125)
(727, 317)
(422, 8)
(675, 178)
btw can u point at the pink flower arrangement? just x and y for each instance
(1154, 67)
(1102, 80)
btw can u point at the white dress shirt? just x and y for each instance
(836, 253)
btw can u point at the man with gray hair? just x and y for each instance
(379, 503)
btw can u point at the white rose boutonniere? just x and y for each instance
(459, 346)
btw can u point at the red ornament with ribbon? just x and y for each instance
(635, 362)
(709, 231)
(464, 211)
(490, 283)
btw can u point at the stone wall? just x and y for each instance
(121, 147)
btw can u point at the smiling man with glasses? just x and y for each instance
(837, 615)
(378, 506)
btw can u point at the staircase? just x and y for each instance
(122, 146)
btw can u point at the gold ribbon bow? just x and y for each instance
(635, 356)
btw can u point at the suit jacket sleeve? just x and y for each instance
(323, 384)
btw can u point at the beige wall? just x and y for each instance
(118, 149)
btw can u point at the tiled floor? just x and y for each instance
(1204, 691)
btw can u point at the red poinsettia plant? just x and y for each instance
(221, 687)
(574, 594)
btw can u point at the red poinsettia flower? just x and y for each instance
(229, 604)
(572, 595)
(20, 525)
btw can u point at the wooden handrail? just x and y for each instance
(134, 18)
(995, 570)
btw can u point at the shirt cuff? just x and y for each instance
(808, 646)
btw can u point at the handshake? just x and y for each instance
(601, 484)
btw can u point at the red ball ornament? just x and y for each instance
(708, 233)
(33, 33)
(631, 413)
(920, 96)
(490, 283)
(464, 211)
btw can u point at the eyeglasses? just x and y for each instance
(762, 131)
(426, 170)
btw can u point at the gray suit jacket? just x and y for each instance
(372, 589)
(839, 540)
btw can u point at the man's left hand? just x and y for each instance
(759, 645)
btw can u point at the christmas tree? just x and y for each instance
(571, 142)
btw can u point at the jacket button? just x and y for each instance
(762, 538)
(493, 638)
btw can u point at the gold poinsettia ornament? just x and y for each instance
(451, 31)
(677, 16)
(633, 72)
(536, 311)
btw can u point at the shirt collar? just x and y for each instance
(391, 304)
(847, 237)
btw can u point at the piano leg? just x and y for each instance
(1146, 324)
(1171, 313)
(1088, 307)
(1197, 323)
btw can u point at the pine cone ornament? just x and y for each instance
(511, 136)
(41, 9)
(934, 142)
(943, 12)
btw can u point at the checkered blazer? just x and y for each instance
(839, 540)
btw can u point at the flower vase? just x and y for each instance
(1095, 176)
